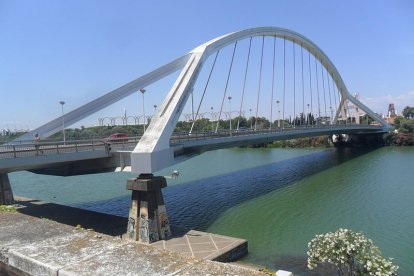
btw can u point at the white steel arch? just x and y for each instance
(153, 151)
(100, 103)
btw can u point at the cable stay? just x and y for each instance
(244, 84)
(205, 89)
(317, 90)
(310, 87)
(294, 85)
(273, 83)
(284, 82)
(330, 99)
(260, 82)
(323, 88)
(225, 89)
(334, 94)
(303, 88)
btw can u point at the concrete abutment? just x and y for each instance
(6, 193)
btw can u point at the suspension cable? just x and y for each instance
(323, 87)
(244, 84)
(225, 89)
(192, 103)
(310, 87)
(273, 83)
(334, 94)
(294, 85)
(284, 82)
(260, 83)
(317, 90)
(303, 88)
(329, 91)
(205, 88)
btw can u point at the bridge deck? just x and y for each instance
(91, 156)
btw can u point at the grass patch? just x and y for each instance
(8, 208)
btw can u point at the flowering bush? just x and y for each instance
(351, 253)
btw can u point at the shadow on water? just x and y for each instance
(196, 205)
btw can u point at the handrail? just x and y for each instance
(46, 147)
(31, 149)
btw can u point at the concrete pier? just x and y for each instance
(37, 245)
(6, 194)
(147, 220)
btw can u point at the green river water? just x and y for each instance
(277, 199)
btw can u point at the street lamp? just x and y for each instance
(278, 114)
(142, 90)
(308, 116)
(229, 97)
(331, 114)
(212, 126)
(251, 120)
(63, 122)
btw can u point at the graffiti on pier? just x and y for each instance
(164, 226)
(131, 227)
(143, 228)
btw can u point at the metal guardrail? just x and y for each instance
(186, 137)
(30, 149)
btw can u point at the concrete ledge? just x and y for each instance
(43, 247)
(31, 265)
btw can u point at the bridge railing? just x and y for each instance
(185, 137)
(31, 148)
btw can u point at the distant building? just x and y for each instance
(391, 114)
(391, 110)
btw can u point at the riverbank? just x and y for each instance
(30, 245)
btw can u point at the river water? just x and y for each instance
(277, 199)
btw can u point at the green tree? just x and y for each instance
(408, 112)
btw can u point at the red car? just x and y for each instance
(116, 138)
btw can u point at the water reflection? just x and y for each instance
(197, 204)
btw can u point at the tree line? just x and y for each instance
(403, 134)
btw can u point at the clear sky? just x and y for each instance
(78, 50)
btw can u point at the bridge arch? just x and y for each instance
(153, 151)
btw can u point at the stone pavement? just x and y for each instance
(39, 246)
(204, 245)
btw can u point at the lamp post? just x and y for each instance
(142, 90)
(212, 125)
(63, 122)
(251, 120)
(331, 114)
(278, 114)
(308, 116)
(229, 97)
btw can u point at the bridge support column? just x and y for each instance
(6, 194)
(148, 220)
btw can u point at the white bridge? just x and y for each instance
(311, 99)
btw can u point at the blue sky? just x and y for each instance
(76, 51)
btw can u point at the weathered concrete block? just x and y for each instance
(155, 183)
(31, 265)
